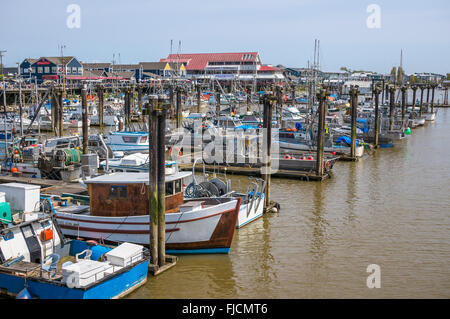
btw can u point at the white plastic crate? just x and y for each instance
(23, 197)
(125, 254)
(84, 272)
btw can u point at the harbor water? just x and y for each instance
(390, 209)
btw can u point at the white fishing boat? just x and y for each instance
(76, 121)
(429, 116)
(118, 211)
(252, 201)
(36, 261)
(128, 141)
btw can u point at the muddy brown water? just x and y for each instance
(390, 208)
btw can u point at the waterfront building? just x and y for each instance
(245, 66)
(51, 68)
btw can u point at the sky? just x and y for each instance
(282, 31)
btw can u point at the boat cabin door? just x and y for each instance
(32, 243)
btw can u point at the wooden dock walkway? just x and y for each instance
(48, 186)
(256, 171)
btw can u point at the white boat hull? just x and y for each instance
(188, 232)
(359, 150)
(249, 212)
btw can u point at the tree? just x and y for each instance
(400, 75)
(394, 74)
(345, 69)
(412, 79)
(448, 76)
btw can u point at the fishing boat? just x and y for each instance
(300, 141)
(76, 121)
(128, 141)
(44, 123)
(252, 201)
(36, 261)
(118, 211)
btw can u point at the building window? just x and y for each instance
(74, 69)
(53, 69)
(33, 70)
(80, 70)
(39, 69)
(46, 69)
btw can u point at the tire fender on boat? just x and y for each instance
(72, 281)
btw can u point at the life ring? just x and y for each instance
(72, 281)
(310, 158)
(287, 156)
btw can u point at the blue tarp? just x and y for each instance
(347, 140)
(243, 127)
(298, 126)
(365, 128)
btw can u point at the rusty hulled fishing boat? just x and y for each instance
(118, 211)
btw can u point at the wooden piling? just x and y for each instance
(171, 101)
(20, 109)
(354, 105)
(421, 100)
(391, 107)
(433, 86)
(403, 90)
(198, 97)
(84, 114)
(249, 98)
(377, 115)
(279, 94)
(414, 89)
(428, 97)
(161, 145)
(60, 112)
(386, 93)
(218, 103)
(446, 96)
(153, 183)
(321, 96)
(267, 133)
(179, 106)
(101, 105)
(127, 110)
(54, 110)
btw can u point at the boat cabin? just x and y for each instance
(126, 194)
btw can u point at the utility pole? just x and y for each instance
(1, 64)
(63, 68)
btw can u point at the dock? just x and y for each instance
(256, 171)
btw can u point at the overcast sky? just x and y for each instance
(282, 31)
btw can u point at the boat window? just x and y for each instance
(118, 192)
(169, 188)
(9, 235)
(178, 186)
(130, 139)
(45, 223)
(143, 139)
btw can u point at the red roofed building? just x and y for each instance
(226, 66)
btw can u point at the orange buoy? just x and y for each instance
(14, 169)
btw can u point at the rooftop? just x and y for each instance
(132, 178)
(198, 61)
